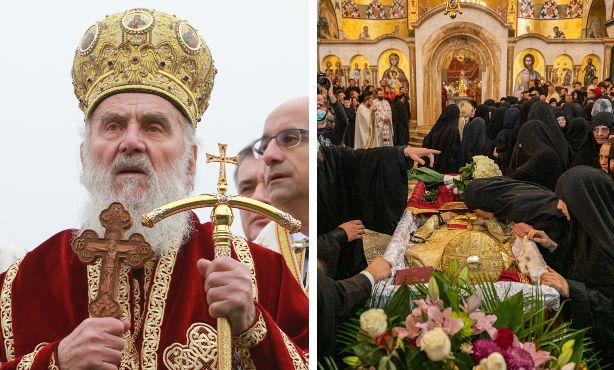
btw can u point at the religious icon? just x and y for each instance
(355, 73)
(527, 10)
(366, 72)
(88, 39)
(549, 10)
(393, 59)
(574, 9)
(350, 9)
(376, 10)
(526, 75)
(189, 36)
(364, 35)
(589, 72)
(397, 10)
(137, 20)
(558, 34)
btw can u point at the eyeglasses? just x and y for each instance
(286, 139)
(598, 130)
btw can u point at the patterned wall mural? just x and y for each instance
(551, 18)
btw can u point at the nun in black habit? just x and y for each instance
(365, 184)
(576, 133)
(588, 154)
(503, 143)
(542, 111)
(516, 201)
(536, 155)
(587, 196)
(445, 137)
(474, 141)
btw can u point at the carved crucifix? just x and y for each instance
(135, 252)
(222, 184)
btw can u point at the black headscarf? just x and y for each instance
(490, 102)
(535, 156)
(573, 109)
(510, 117)
(474, 141)
(588, 153)
(576, 133)
(519, 201)
(542, 111)
(483, 112)
(444, 136)
(588, 194)
(522, 118)
(496, 123)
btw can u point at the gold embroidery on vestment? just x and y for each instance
(6, 310)
(199, 352)
(297, 361)
(155, 309)
(27, 360)
(244, 254)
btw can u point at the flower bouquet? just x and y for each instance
(454, 324)
(479, 167)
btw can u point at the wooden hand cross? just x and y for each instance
(135, 252)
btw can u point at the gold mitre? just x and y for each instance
(143, 50)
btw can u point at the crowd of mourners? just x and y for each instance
(554, 149)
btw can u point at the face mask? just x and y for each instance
(321, 115)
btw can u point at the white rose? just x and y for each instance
(494, 361)
(436, 344)
(374, 322)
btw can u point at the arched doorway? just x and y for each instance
(451, 39)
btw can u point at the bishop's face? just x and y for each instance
(138, 125)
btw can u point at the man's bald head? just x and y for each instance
(287, 168)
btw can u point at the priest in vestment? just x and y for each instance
(143, 87)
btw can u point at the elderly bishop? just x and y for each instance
(143, 79)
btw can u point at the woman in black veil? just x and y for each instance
(521, 202)
(576, 133)
(474, 141)
(445, 137)
(535, 157)
(587, 198)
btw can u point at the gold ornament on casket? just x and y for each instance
(480, 252)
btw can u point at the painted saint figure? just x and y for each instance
(574, 9)
(397, 10)
(526, 75)
(527, 10)
(549, 10)
(393, 59)
(589, 72)
(350, 9)
(376, 10)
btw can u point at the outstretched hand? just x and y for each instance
(416, 154)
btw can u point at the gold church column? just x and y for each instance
(413, 94)
(607, 60)
(346, 74)
(576, 72)
(375, 76)
(510, 69)
(549, 72)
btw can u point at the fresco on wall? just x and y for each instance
(529, 65)
(360, 70)
(591, 67)
(562, 71)
(393, 67)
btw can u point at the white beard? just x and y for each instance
(164, 186)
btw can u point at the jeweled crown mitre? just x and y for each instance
(142, 50)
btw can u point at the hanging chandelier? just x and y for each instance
(453, 7)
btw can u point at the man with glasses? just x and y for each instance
(285, 151)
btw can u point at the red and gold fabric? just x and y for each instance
(45, 295)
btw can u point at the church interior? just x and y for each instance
(482, 48)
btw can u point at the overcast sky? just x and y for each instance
(260, 51)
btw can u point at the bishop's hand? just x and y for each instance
(228, 285)
(96, 343)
